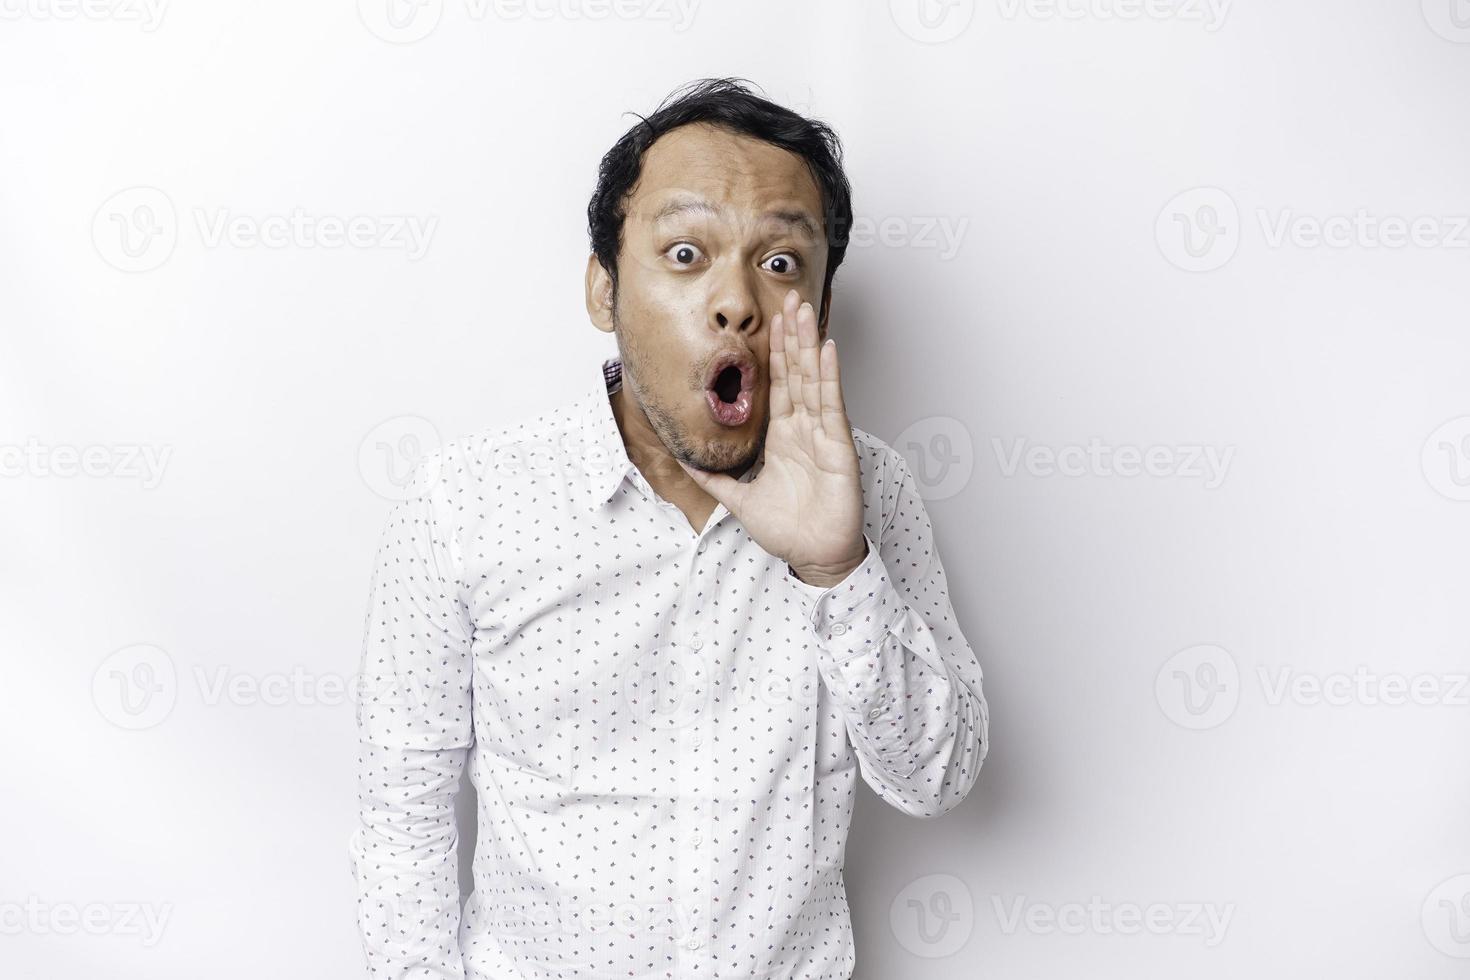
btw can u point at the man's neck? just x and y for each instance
(657, 465)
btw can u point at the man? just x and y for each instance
(667, 625)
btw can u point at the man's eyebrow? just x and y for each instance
(798, 218)
(674, 208)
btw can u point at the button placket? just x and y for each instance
(694, 810)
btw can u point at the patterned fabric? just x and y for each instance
(664, 726)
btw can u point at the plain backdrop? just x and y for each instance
(1165, 301)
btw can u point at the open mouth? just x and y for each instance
(729, 387)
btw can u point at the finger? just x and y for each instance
(723, 487)
(808, 357)
(791, 341)
(834, 408)
(779, 392)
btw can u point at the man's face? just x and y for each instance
(719, 228)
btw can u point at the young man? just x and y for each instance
(667, 624)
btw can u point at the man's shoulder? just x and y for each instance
(506, 447)
(876, 457)
(869, 444)
(545, 427)
(881, 474)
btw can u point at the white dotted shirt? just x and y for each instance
(664, 727)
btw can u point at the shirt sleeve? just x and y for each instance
(895, 661)
(413, 731)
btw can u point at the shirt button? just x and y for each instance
(696, 642)
(876, 713)
(692, 943)
(697, 839)
(697, 740)
(839, 628)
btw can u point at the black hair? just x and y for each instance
(728, 103)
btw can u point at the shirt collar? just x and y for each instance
(605, 463)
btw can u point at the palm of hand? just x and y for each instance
(806, 505)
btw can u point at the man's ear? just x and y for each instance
(599, 295)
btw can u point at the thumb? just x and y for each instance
(718, 485)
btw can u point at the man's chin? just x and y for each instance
(712, 463)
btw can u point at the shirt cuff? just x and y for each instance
(852, 617)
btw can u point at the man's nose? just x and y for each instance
(734, 304)
(745, 322)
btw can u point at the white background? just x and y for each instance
(1130, 191)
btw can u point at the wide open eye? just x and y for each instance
(684, 253)
(783, 263)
